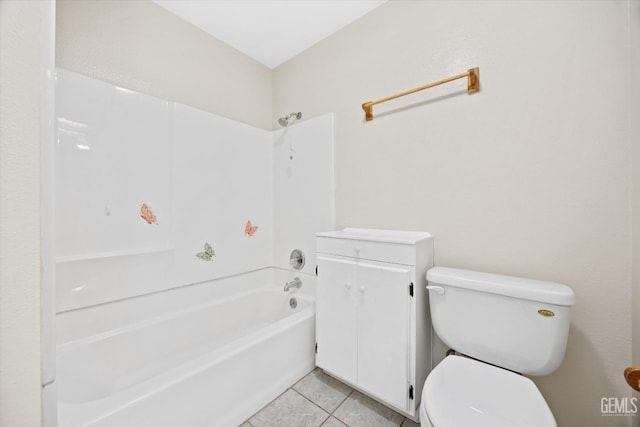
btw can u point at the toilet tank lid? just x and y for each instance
(515, 287)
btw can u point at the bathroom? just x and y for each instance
(536, 175)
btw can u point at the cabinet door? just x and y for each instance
(336, 317)
(383, 304)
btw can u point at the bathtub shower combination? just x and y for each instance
(214, 363)
(172, 256)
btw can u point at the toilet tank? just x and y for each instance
(516, 323)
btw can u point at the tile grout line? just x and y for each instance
(314, 403)
(248, 420)
(330, 414)
(343, 400)
(349, 394)
(336, 408)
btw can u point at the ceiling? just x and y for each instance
(270, 31)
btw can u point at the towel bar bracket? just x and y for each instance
(473, 81)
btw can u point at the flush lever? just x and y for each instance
(437, 289)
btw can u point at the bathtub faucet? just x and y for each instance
(295, 283)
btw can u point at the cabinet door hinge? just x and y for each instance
(411, 392)
(411, 289)
(316, 348)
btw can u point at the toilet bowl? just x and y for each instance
(507, 326)
(465, 392)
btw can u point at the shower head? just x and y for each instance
(284, 121)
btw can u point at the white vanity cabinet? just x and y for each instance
(373, 329)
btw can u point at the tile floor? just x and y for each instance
(320, 400)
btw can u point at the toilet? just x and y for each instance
(500, 327)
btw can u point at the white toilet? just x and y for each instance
(505, 326)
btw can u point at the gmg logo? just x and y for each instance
(619, 406)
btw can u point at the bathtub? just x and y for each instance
(212, 364)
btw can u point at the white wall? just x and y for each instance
(530, 176)
(20, 369)
(141, 46)
(634, 113)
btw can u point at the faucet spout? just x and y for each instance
(295, 283)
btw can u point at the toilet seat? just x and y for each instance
(462, 392)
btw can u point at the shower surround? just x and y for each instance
(162, 210)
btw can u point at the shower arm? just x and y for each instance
(284, 121)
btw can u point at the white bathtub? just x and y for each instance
(212, 364)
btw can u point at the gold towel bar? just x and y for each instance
(473, 85)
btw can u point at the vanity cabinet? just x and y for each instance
(373, 328)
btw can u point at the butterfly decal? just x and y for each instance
(250, 229)
(147, 214)
(208, 254)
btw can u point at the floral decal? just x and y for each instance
(147, 214)
(208, 254)
(250, 229)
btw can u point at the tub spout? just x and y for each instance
(295, 283)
